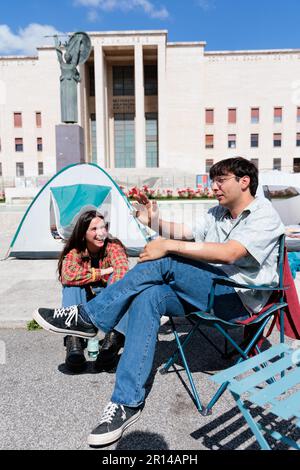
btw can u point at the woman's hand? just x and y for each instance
(147, 211)
(154, 250)
(106, 271)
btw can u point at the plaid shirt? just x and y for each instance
(77, 269)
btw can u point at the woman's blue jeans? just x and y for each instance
(74, 295)
(170, 285)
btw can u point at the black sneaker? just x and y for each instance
(65, 320)
(115, 419)
(108, 355)
(75, 358)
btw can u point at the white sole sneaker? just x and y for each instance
(47, 326)
(109, 437)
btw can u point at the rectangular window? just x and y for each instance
(19, 145)
(123, 80)
(93, 138)
(232, 141)
(208, 164)
(254, 140)
(92, 80)
(277, 140)
(298, 114)
(17, 119)
(277, 114)
(298, 139)
(276, 163)
(209, 141)
(232, 115)
(39, 144)
(254, 115)
(0, 169)
(124, 137)
(254, 161)
(38, 119)
(209, 116)
(40, 168)
(150, 79)
(151, 140)
(296, 165)
(19, 169)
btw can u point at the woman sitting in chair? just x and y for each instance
(89, 261)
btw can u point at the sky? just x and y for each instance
(223, 24)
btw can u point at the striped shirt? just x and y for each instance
(77, 267)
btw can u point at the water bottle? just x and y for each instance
(93, 347)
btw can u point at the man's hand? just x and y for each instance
(154, 250)
(147, 211)
(106, 271)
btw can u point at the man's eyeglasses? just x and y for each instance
(220, 181)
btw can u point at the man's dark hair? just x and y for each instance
(239, 167)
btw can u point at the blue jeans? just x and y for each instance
(170, 285)
(75, 295)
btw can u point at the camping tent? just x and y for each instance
(52, 214)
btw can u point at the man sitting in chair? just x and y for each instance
(238, 238)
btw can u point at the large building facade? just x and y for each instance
(149, 106)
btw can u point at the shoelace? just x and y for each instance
(70, 311)
(109, 412)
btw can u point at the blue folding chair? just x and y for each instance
(281, 398)
(254, 327)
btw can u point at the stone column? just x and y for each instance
(140, 137)
(161, 79)
(100, 105)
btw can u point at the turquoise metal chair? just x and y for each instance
(281, 398)
(253, 326)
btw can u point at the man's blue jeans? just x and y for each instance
(170, 285)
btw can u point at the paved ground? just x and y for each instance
(44, 407)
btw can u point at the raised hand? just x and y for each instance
(147, 211)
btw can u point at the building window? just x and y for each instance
(298, 114)
(40, 168)
(209, 141)
(150, 79)
(254, 115)
(232, 141)
(277, 140)
(92, 80)
(254, 140)
(209, 116)
(208, 164)
(276, 163)
(17, 119)
(254, 161)
(19, 169)
(19, 145)
(124, 137)
(232, 115)
(298, 139)
(296, 166)
(93, 138)
(123, 80)
(0, 169)
(277, 114)
(39, 144)
(151, 140)
(38, 119)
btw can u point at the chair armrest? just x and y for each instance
(226, 281)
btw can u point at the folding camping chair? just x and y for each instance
(280, 398)
(253, 327)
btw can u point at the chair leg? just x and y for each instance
(251, 422)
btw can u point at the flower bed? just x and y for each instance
(169, 194)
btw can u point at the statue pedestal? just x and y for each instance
(69, 145)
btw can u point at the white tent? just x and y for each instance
(74, 189)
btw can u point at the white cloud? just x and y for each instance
(127, 5)
(206, 5)
(92, 16)
(26, 40)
